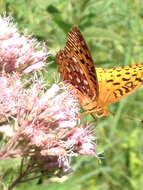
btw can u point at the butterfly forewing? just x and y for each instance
(71, 73)
(77, 50)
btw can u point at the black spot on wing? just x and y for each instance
(82, 61)
(139, 79)
(109, 80)
(116, 83)
(126, 89)
(125, 79)
(88, 57)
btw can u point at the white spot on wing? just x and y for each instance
(70, 77)
(60, 57)
(85, 82)
(74, 59)
(76, 68)
(83, 87)
(94, 97)
(87, 90)
(72, 66)
(78, 80)
(81, 71)
(68, 69)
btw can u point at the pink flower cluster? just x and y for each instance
(45, 122)
(47, 125)
(18, 53)
(50, 131)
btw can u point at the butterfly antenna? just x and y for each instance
(132, 118)
(129, 117)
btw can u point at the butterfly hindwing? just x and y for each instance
(119, 82)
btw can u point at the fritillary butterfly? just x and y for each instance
(96, 87)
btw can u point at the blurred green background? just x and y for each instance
(113, 30)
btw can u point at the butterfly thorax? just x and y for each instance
(90, 106)
(95, 108)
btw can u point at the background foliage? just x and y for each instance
(113, 30)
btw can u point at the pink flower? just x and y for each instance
(10, 92)
(47, 127)
(19, 53)
(82, 141)
(52, 128)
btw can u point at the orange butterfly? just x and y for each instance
(96, 87)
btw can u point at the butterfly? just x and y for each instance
(96, 87)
